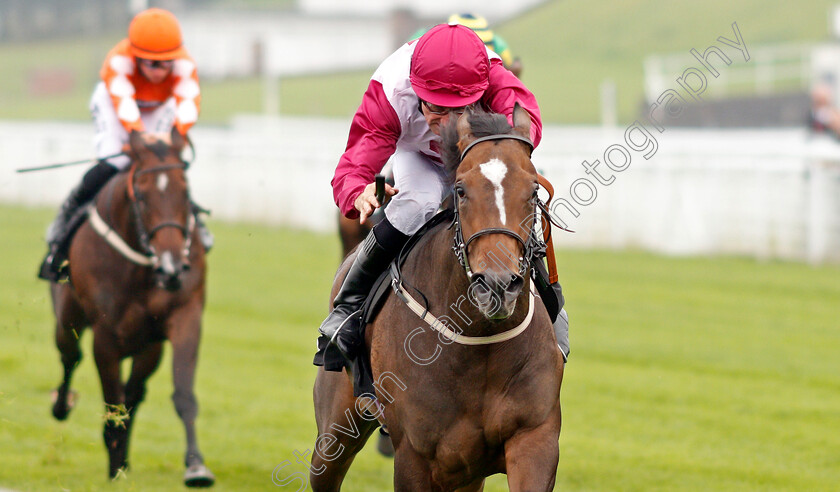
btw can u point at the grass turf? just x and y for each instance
(685, 374)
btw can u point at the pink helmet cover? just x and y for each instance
(450, 66)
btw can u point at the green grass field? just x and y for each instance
(568, 48)
(690, 374)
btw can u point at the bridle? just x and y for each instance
(144, 236)
(533, 248)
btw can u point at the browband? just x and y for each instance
(506, 136)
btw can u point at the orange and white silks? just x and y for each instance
(133, 94)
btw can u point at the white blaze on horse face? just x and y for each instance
(495, 171)
(167, 263)
(162, 182)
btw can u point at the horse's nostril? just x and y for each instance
(173, 284)
(516, 283)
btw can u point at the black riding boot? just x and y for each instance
(59, 231)
(204, 234)
(552, 297)
(343, 325)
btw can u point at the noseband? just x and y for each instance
(533, 248)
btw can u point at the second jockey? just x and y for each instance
(149, 84)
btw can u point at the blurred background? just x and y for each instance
(737, 170)
(703, 282)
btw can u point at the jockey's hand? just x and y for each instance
(366, 203)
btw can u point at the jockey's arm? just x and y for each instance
(504, 91)
(366, 203)
(187, 94)
(373, 137)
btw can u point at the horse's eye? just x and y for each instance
(460, 191)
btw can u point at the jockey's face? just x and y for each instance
(155, 70)
(436, 116)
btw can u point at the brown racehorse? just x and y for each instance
(137, 275)
(489, 402)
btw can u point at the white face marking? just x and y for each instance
(495, 171)
(162, 181)
(167, 263)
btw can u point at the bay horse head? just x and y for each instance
(160, 203)
(495, 195)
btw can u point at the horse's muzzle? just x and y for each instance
(168, 271)
(495, 293)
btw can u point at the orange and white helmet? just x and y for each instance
(155, 34)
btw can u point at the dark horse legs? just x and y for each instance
(142, 367)
(68, 330)
(115, 433)
(342, 432)
(120, 420)
(184, 329)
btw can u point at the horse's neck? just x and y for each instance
(114, 206)
(448, 290)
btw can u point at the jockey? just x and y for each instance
(149, 83)
(410, 96)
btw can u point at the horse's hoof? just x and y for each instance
(61, 411)
(118, 474)
(199, 476)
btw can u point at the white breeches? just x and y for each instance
(421, 184)
(111, 135)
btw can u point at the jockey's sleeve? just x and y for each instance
(116, 73)
(187, 94)
(504, 91)
(373, 138)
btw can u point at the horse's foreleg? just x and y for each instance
(184, 333)
(68, 345)
(477, 486)
(411, 471)
(143, 366)
(115, 433)
(343, 429)
(531, 457)
(68, 327)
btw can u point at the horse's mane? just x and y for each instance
(482, 124)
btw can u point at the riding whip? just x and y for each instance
(64, 164)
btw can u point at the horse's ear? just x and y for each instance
(521, 121)
(465, 135)
(135, 141)
(178, 140)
